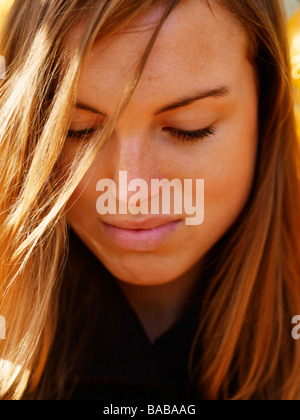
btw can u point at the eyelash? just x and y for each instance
(80, 134)
(191, 136)
(181, 135)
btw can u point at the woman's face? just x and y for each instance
(197, 79)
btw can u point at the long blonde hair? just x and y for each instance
(254, 289)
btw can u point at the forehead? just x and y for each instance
(199, 44)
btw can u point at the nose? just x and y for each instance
(132, 163)
(133, 156)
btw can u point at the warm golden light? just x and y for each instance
(4, 8)
(294, 39)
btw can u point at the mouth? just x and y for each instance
(141, 236)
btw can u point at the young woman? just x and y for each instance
(134, 305)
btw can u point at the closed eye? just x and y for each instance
(182, 135)
(79, 134)
(191, 136)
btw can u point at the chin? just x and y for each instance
(152, 272)
(143, 274)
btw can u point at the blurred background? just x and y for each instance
(293, 28)
(4, 7)
(290, 5)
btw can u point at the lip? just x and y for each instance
(141, 235)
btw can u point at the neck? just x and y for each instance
(161, 307)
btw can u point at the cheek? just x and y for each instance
(231, 177)
(226, 196)
(229, 181)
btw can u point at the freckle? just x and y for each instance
(153, 78)
(150, 78)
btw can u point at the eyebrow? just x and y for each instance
(88, 108)
(211, 93)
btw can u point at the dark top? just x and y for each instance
(117, 360)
